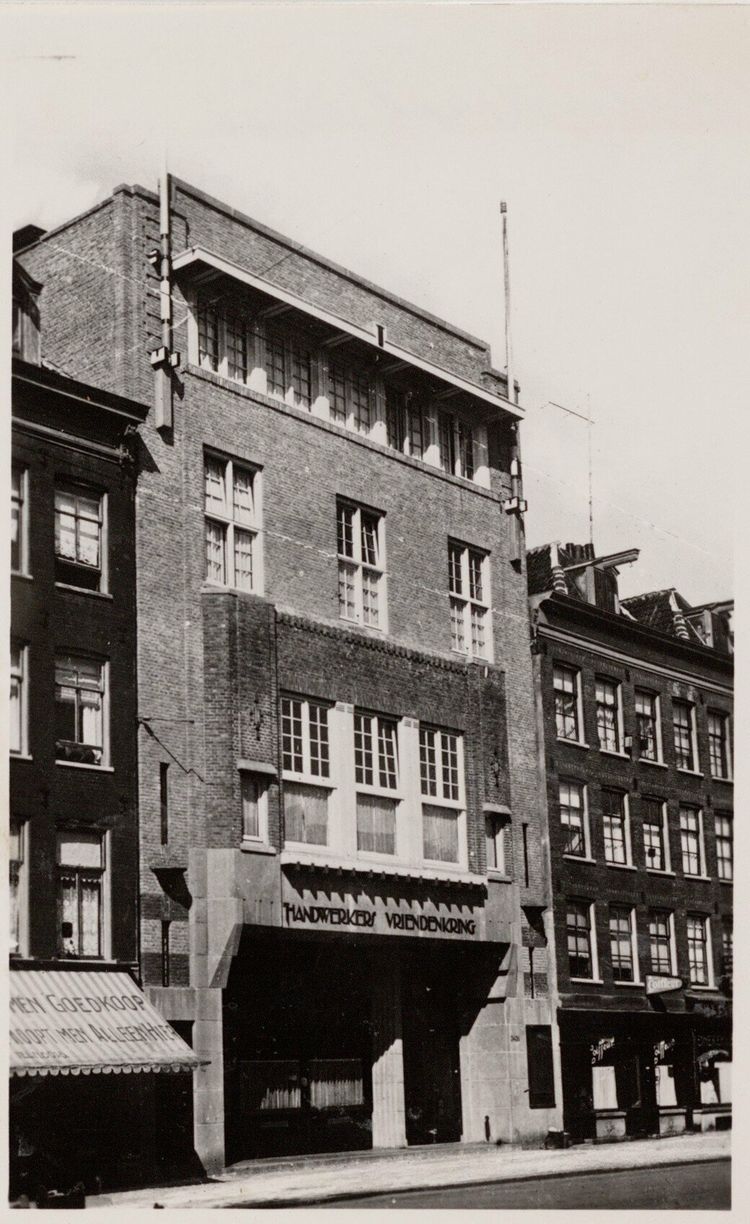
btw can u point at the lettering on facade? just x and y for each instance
(339, 916)
(328, 915)
(600, 1049)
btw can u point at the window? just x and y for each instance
(616, 830)
(441, 770)
(305, 753)
(18, 712)
(573, 819)
(254, 792)
(376, 824)
(565, 681)
(80, 537)
(468, 582)
(622, 943)
(438, 763)
(727, 948)
(232, 524)
(497, 832)
(80, 691)
(306, 814)
(691, 841)
(661, 941)
(540, 1066)
(81, 872)
(18, 891)
(579, 926)
(406, 427)
(360, 535)
(19, 520)
(698, 950)
(684, 738)
(456, 446)
(375, 751)
(647, 721)
(655, 835)
(208, 337)
(164, 802)
(724, 845)
(718, 744)
(608, 714)
(288, 368)
(350, 397)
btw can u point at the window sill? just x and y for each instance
(623, 756)
(578, 858)
(360, 624)
(378, 792)
(621, 866)
(686, 875)
(719, 778)
(572, 743)
(21, 756)
(68, 586)
(305, 780)
(691, 773)
(83, 765)
(639, 985)
(231, 590)
(588, 981)
(249, 846)
(722, 880)
(648, 761)
(499, 877)
(471, 658)
(20, 574)
(703, 989)
(658, 871)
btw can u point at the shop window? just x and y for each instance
(622, 940)
(19, 533)
(540, 1066)
(566, 683)
(683, 722)
(574, 819)
(691, 842)
(608, 715)
(18, 713)
(616, 824)
(661, 941)
(655, 835)
(497, 835)
(699, 953)
(232, 524)
(80, 537)
(724, 863)
(81, 879)
(80, 710)
(648, 725)
(18, 856)
(469, 587)
(718, 744)
(361, 560)
(581, 940)
(406, 425)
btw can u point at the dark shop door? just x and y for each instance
(432, 1083)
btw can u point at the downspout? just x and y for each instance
(163, 359)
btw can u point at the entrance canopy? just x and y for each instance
(70, 1022)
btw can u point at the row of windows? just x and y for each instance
(82, 892)
(582, 950)
(80, 532)
(616, 829)
(284, 366)
(233, 519)
(81, 707)
(648, 745)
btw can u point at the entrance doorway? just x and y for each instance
(432, 1084)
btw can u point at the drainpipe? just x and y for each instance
(163, 359)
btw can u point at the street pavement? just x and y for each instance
(319, 1180)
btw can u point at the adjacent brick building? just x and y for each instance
(344, 897)
(636, 701)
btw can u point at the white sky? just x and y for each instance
(384, 136)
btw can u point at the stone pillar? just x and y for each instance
(388, 1108)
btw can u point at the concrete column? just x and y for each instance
(208, 1083)
(388, 1108)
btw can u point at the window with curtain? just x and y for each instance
(647, 721)
(573, 819)
(79, 537)
(81, 868)
(79, 710)
(607, 714)
(565, 686)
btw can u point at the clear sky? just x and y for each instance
(385, 136)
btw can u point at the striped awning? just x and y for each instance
(71, 1022)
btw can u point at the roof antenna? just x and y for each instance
(591, 473)
(506, 271)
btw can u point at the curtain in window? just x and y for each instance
(90, 907)
(376, 824)
(306, 814)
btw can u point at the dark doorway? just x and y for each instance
(432, 1083)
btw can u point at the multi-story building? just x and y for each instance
(636, 701)
(73, 781)
(343, 884)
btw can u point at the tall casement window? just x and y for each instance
(661, 941)
(81, 877)
(468, 583)
(254, 792)
(80, 530)
(376, 774)
(224, 341)
(699, 956)
(18, 718)
(305, 757)
(616, 831)
(497, 836)
(724, 865)
(566, 684)
(622, 943)
(233, 519)
(18, 887)
(456, 446)
(691, 841)
(80, 710)
(727, 948)
(360, 543)
(441, 779)
(581, 943)
(19, 520)
(350, 397)
(655, 834)
(573, 819)
(718, 744)
(208, 337)
(608, 714)
(647, 722)
(684, 734)
(288, 364)
(406, 426)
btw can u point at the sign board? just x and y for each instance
(376, 914)
(659, 984)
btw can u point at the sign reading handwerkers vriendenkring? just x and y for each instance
(376, 915)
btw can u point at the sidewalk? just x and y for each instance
(313, 1180)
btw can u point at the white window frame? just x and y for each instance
(617, 687)
(501, 840)
(587, 856)
(105, 691)
(633, 925)
(260, 781)
(591, 906)
(453, 464)
(702, 872)
(21, 500)
(306, 773)
(291, 340)
(229, 523)
(664, 808)
(576, 673)
(440, 800)
(375, 789)
(464, 604)
(710, 983)
(73, 488)
(672, 939)
(723, 814)
(21, 675)
(693, 736)
(22, 829)
(356, 565)
(659, 758)
(627, 839)
(105, 939)
(724, 717)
